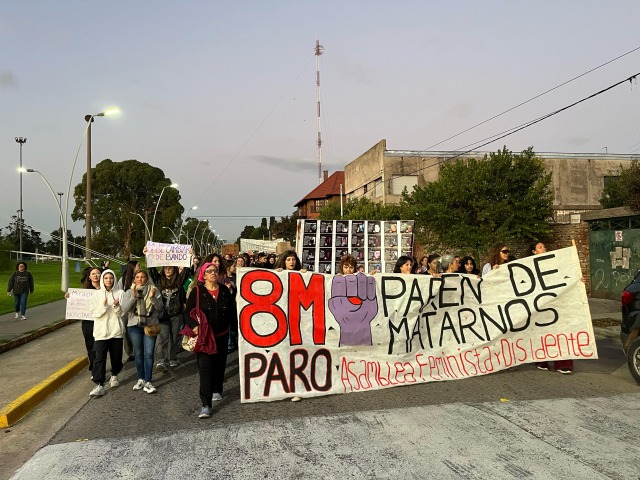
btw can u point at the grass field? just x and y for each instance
(46, 278)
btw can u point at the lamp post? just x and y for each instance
(153, 221)
(195, 207)
(64, 282)
(61, 233)
(21, 141)
(145, 224)
(175, 237)
(196, 231)
(89, 120)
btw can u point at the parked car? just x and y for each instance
(630, 328)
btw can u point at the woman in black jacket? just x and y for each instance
(170, 283)
(219, 307)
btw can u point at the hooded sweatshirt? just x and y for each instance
(107, 322)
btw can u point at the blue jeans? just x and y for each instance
(20, 302)
(143, 347)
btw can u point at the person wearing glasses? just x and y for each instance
(219, 308)
(498, 255)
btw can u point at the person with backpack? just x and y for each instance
(174, 297)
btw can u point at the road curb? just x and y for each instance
(26, 402)
(16, 342)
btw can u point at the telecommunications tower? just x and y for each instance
(319, 49)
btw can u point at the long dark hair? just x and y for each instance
(401, 261)
(86, 281)
(169, 283)
(464, 261)
(127, 278)
(284, 256)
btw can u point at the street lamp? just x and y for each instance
(195, 207)
(175, 238)
(145, 223)
(153, 222)
(21, 141)
(89, 120)
(65, 233)
(64, 282)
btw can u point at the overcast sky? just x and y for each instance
(222, 95)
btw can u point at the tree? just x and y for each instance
(120, 192)
(31, 241)
(286, 228)
(53, 245)
(360, 209)
(625, 190)
(475, 203)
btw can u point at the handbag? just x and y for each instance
(204, 341)
(152, 330)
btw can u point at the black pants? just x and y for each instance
(211, 369)
(87, 333)
(100, 348)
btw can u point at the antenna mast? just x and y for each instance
(318, 51)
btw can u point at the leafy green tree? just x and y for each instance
(120, 192)
(53, 245)
(285, 228)
(501, 198)
(31, 241)
(625, 190)
(360, 209)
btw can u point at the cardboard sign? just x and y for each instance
(309, 334)
(162, 254)
(78, 304)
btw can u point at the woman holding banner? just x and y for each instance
(498, 255)
(90, 281)
(216, 303)
(561, 366)
(173, 299)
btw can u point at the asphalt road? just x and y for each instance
(522, 423)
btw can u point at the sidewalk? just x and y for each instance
(37, 317)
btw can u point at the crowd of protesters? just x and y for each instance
(145, 314)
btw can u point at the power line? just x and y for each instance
(513, 130)
(533, 98)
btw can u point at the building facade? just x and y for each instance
(577, 178)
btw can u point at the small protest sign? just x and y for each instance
(78, 303)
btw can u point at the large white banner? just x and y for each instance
(162, 254)
(309, 334)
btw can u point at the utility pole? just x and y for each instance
(318, 51)
(62, 234)
(21, 141)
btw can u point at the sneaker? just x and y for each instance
(97, 391)
(216, 397)
(565, 371)
(161, 367)
(296, 399)
(113, 382)
(174, 363)
(205, 412)
(24, 317)
(149, 388)
(17, 316)
(139, 385)
(542, 367)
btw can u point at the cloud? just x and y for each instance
(289, 164)
(8, 79)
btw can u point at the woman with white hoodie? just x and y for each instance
(108, 330)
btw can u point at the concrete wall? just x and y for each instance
(577, 181)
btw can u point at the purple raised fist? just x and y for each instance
(353, 303)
